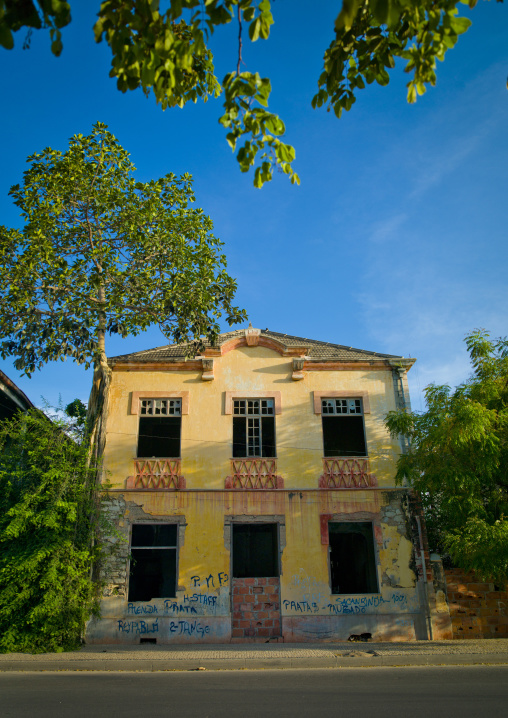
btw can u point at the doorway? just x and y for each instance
(255, 582)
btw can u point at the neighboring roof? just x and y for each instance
(11, 397)
(312, 348)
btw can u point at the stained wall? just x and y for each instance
(203, 607)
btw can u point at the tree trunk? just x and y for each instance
(99, 398)
(97, 412)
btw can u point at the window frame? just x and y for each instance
(340, 416)
(137, 397)
(175, 548)
(259, 416)
(373, 553)
(150, 417)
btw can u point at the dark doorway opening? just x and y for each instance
(352, 557)
(255, 550)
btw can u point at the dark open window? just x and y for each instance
(160, 424)
(255, 550)
(352, 557)
(153, 562)
(253, 428)
(343, 427)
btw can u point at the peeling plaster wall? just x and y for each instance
(201, 610)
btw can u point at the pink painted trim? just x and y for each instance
(266, 342)
(342, 473)
(254, 474)
(363, 395)
(230, 395)
(154, 474)
(323, 522)
(137, 395)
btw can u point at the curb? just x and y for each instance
(236, 664)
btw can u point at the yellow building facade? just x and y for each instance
(253, 491)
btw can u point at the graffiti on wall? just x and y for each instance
(189, 628)
(188, 602)
(348, 605)
(210, 581)
(180, 628)
(139, 627)
(301, 606)
(361, 604)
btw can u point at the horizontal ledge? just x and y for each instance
(270, 491)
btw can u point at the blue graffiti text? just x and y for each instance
(138, 627)
(189, 628)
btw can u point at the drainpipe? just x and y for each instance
(425, 583)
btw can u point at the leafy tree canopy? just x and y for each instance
(458, 461)
(100, 252)
(163, 47)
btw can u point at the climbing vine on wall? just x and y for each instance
(50, 528)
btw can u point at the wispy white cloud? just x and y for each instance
(387, 229)
(428, 277)
(433, 172)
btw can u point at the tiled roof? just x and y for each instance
(313, 349)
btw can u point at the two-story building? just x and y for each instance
(254, 488)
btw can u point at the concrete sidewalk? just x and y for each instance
(149, 658)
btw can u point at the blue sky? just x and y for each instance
(394, 242)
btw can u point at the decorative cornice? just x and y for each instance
(178, 365)
(267, 342)
(401, 365)
(196, 364)
(337, 365)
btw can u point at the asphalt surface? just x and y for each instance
(148, 658)
(441, 692)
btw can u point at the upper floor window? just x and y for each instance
(343, 427)
(253, 427)
(160, 424)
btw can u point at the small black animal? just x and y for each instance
(358, 637)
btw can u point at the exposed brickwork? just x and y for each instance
(256, 608)
(477, 610)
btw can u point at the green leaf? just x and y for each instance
(56, 46)
(6, 38)
(254, 29)
(347, 14)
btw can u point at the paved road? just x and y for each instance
(468, 691)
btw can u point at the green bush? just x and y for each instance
(49, 529)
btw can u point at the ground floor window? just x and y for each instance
(352, 557)
(153, 561)
(255, 550)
